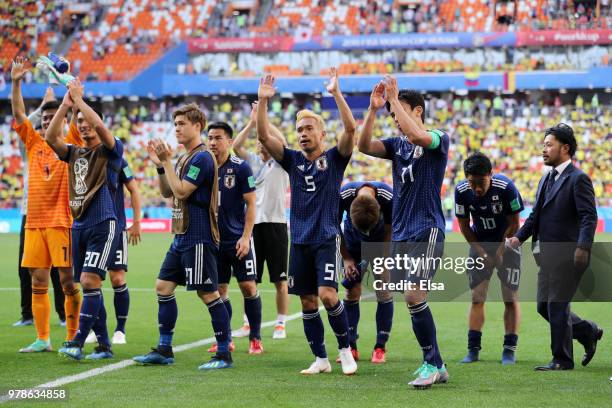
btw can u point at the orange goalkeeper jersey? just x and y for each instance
(47, 179)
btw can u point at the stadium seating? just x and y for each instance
(134, 33)
(382, 62)
(510, 135)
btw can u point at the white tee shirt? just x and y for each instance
(271, 184)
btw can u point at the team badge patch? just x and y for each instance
(495, 198)
(290, 281)
(459, 209)
(497, 208)
(321, 163)
(418, 152)
(193, 172)
(515, 204)
(229, 180)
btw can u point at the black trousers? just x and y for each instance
(565, 326)
(25, 283)
(557, 284)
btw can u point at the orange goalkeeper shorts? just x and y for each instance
(46, 247)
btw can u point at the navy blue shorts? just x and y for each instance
(424, 255)
(93, 247)
(314, 265)
(195, 267)
(509, 273)
(242, 269)
(120, 259)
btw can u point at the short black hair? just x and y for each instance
(412, 98)
(564, 134)
(223, 126)
(50, 105)
(477, 164)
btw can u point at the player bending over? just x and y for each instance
(494, 204)
(368, 219)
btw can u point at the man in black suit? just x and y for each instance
(562, 226)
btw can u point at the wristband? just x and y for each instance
(160, 170)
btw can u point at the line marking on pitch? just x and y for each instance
(126, 363)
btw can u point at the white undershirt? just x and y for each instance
(271, 184)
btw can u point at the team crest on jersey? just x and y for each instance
(418, 152)
(229, 180)
(497, 208)
(81, 167)
(321, 163)
(230, 171)
(495, 198)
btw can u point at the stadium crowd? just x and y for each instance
(377, 62)
(508, 130)
(115, 39)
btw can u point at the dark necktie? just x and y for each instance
(550, 183)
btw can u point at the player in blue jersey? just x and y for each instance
(368, 219)
(236, 220)
(192, 257)
(93, 181)
(118, 265)
(315, 175)
(494, 204)
(419, 158)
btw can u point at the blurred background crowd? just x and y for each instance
(508, 129)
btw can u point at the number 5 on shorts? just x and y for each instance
(330, 272)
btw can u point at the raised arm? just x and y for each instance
(365, 144)
(164, 187)
(276, 133)
(409, 127)
(134, 230)
(76, 93)
(18, 71)
(346, 141)
(264, 93)
(53, 135)
(238, 143)
(181, 189)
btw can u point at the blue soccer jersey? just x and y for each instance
(384, 195)
(418, 174)
(102, 206)
(490, 211)
(125, 176)
(235, 180)
(200, 172)
(315, 194)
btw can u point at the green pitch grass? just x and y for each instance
(273, 379)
